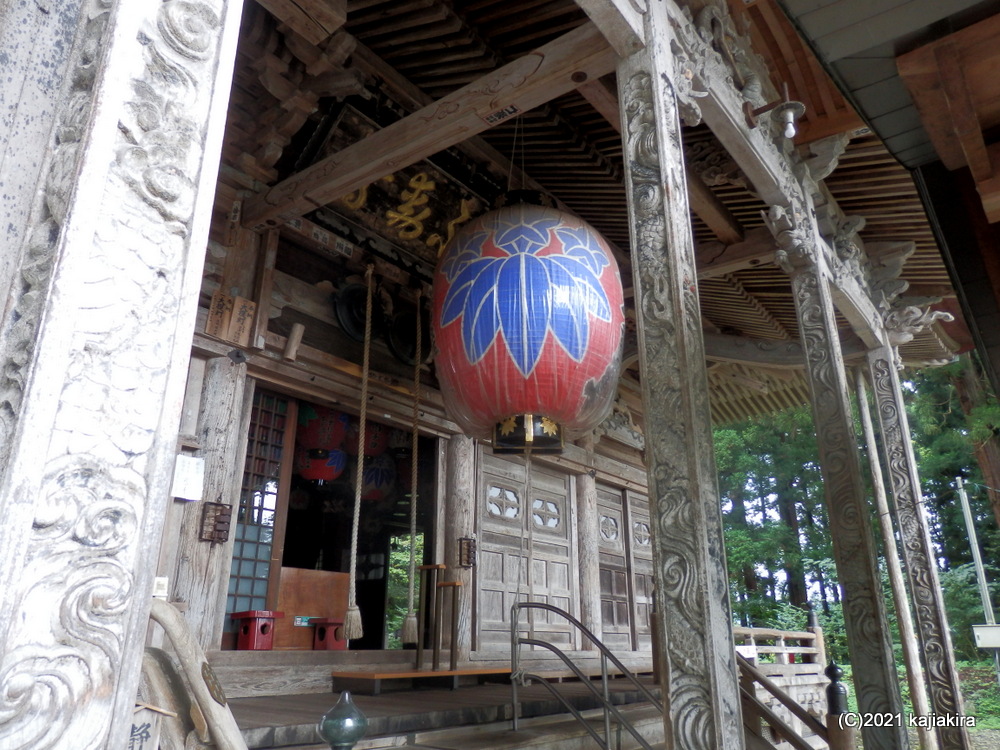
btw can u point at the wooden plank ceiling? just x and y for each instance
(294, 97)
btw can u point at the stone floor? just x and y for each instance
(289, 721)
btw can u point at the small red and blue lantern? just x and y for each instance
(528, 323)
(379, 478)
(319, 464)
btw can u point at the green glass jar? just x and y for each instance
(343, 725)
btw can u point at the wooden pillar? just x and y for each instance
(918, 553)
(868, 635)
(118, 230)
(694, 628)
(907, 636)
(460, 519)
(202, 575)
(588, 548)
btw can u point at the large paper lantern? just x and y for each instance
(528, 323)
(319, 464)
(376, 438)
(321, 427)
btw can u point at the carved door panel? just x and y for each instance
(640, 548)
(616, 611)
(525, 551)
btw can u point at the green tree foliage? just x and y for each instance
(945, 449)
(777, 538)
(398, 585)
(964, 606)
(777, 545)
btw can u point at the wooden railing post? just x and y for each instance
(840, 734)
(819, 643)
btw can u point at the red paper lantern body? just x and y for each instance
(376, 438)
(528, 319)
(321, 427)
(320, 464)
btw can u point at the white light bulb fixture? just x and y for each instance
(784, 111)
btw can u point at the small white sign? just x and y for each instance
(748, 652)
(189, 478)
(987, 636)
(161, 587)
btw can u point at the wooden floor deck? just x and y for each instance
(290, 720)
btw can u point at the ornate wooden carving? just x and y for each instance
(864, 611)
(30, 290)
(702, 704)
(87, 479)
(918, 554)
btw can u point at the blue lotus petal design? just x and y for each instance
(524, 295)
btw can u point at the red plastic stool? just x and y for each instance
(256, 629)
(328, 635)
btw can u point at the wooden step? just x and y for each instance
(376, 677)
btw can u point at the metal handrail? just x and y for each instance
(518, 675)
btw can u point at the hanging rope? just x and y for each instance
(525, 545)
(352, 622)
(410, 623)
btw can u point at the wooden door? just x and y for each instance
(641, 564)
(613, 537)
(525, 551)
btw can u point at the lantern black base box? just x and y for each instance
(527, 434)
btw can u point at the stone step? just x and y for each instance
(560, 732)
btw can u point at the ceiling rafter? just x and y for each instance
(519, 86)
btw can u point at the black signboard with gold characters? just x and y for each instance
(418, 208)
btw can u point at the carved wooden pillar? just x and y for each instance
(702, 707)
(918, 554)
(460, 520)
(907, 635)
(588, 548)
(117, 235)
(857, 568)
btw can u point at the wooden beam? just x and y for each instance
(721, 108)
(853, 302)
(989, 189)
(262, 289)
(411, 97)
(528, 82)
(719, 258)
(314, 20)
(703, 202)
(758, 352)
(619, 21)
(707, 207)
(965, 121)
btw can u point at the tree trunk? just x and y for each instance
(797, 591)
(970, 394)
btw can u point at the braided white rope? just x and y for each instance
(409, 634)
(352, 622)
